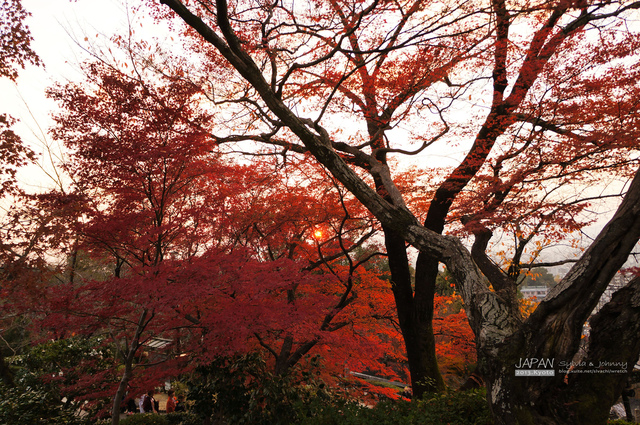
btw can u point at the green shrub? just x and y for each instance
(240, 390)
(176, 418)
(458, 408)
(619, 422)
(145, 419)
(182, 418)
(34, 406)
(44, 376)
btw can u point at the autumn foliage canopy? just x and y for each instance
(291, 180)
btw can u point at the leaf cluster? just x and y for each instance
(15, 39)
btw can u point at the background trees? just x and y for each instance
(169, 240)
(15, 52)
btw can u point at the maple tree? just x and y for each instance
(559, 107)
(138, 157)
(218, 257)
(15, 39)
(147, 190)
(297, 213)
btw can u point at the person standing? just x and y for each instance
(141, 403)
(149, 403)
(171, 402)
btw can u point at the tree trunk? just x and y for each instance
(415, 314)
(122, 388)
(5, 372)
(423, 364)
(129, 356)
(584, 394)
(282, 359)
(614, 346)
(553, 334)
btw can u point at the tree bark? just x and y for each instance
(614, 345)
(554, 331)
(585, 394)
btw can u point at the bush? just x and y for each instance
(177, 418)
(458, 408)
(145, 419)
(34, 406)
(45, 376)
(240, 390)
(182, 418)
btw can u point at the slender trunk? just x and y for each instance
(423, 365)
(5, 372)
(128, 368)
(424, 292)
(282, 360)
(73, 263)
(627, 406)
(122, 388)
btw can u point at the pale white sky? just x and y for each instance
(54, 24)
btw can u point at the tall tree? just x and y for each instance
(143, 172)
(220, 257)
(547, 111)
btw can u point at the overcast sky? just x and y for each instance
(54, 24)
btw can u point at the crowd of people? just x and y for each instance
(147, 403)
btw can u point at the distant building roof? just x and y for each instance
(158, 343)
(534, 292)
